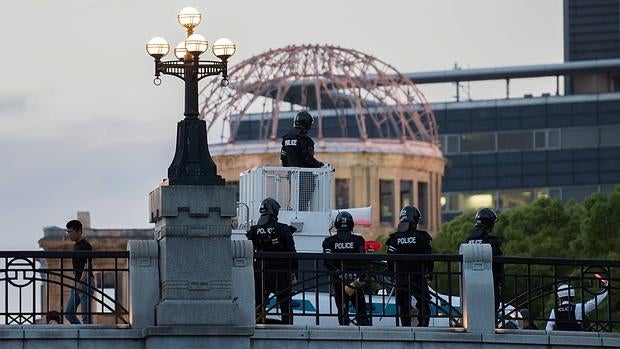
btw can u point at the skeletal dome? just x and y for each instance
(350, 94)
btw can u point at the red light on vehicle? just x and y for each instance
(372, 246)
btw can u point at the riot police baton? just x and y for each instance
(387, 302)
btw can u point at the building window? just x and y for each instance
(514, 198)
(553, 139)
(457, 202)
(450, 144)
(540, 139)
(475, 142)
(579, 138)
(423, 198)
(578, 194)
(520, 140)
(406, 193)
(386, 201)
(342, 193)
(610, 135)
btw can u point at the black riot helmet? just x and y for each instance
(268, 208)
(409, 215)
(344, 221)
(303, 120)
(486, 217)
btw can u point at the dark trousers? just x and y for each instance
(342, 303)
(306, 190)
(414, 285)
(278, 283)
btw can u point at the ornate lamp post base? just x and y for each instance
(192, 163)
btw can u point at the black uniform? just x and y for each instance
(410, 276)
(345, 273)
(480, 235)
(298, 151)
(273, 276)
(566, 319)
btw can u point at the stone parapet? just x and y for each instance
(287, 337)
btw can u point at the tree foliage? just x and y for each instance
(548, 228)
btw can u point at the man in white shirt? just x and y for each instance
(568, 316)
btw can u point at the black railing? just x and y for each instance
(36, 285)
(313, 286)
(530, 283)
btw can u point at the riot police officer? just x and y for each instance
(481, 234)
(411, 276)
(298, 151)
(568, 316)
(274, 275)
(348, 280)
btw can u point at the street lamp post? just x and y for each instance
(192, 163)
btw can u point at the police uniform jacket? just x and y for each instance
(273, 237)
(480, 235)
(568, 316)
(298, 150)
(412, 241)
(342, 243)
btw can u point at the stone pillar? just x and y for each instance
(477, 301)
(143, 282)
(192, 228)
(243, 281)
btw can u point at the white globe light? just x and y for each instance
(189, 17)
(224, 48)
(180, 51)
(196, 44)
(157, 47)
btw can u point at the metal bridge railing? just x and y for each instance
(312, 289)
(530, 283)
(35, 285)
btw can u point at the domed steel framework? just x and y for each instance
(351, 94)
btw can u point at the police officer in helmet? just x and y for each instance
(272, 275)
(411, 276)
(481, 234)
(348, 280)
(298, 151)
(568, 316)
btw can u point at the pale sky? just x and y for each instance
(82, 127)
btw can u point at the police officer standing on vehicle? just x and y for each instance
(481, 234)
(272, 275)
(411, 276)
(298, 151)
(568, 316)
(347, 281)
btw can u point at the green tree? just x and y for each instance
(549, 228)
